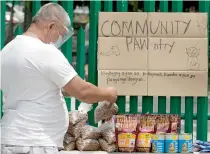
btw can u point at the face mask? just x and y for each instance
(58, 43)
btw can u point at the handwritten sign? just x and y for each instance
(154, 43)
(135, 81)
(179, 83)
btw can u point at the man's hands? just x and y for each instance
(112, 94)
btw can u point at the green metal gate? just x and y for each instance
(202, 116)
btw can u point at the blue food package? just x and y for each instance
(158, 143)
(171, 143)
(185, 143)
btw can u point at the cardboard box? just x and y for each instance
(122, 53)
(184, 25)
(178, 54)
(132, 83)
(118, 24)
(177, 83)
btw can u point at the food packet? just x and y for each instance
(69, 147)
(108, 132)
(107, 147)
(146, 127)
(87, 144)
(126, 131)
(105, 111)
(80, 114)
(175, 121)
(75, 130)
(68, 138)
(90, 132)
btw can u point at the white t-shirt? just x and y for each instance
(33, 73)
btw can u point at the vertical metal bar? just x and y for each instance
(80, 64)
(134, 104)
(95, 7)
(202, 102)
(162, 99)
(122, 6)
(188, 114)
(147, 101)
(67, 46)
(35, 7)
(3, 10)
(175, 102)
(18, 30)
(108, 5)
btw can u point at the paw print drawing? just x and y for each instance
(114, 50)
(192, 62)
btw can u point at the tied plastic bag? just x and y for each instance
(80, 114)
(75, 130)
(68, 139)
(87, 145)
(108, 132)
(105, 111)
(90, 132)
(107, 147)
(69, 147)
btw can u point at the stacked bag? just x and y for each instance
(88, 138)
(201, 146)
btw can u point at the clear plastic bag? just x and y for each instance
(108, 131)
(105, 111)
(68, 138)
(69, 147)
(75, 130)
(107, 147)
(87, 145)
(90, 132)
(80, 114)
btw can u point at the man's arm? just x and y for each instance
(89, 93)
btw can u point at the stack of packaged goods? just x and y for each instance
(84, 137)
(151, 133)
(201, 146)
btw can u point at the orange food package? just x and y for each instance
(125, 129)
(146, 128)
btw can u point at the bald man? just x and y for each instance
(33, 73)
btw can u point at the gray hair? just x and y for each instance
(52, 12)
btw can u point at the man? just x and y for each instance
(33, 73)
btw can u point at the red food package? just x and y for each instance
(125, 129)
(163, 124)
(146, 127)
(175, 122)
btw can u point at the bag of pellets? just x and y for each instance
(69, 147)
(108, 131)
(80, 114)
(105, 110)
(75, 130)
(107, 147)
(90, 132)
(87, 144)
(68, 139)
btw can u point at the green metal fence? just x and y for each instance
(147, 101)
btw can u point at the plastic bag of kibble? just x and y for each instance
(105, 111)
(90, 132)
(75, 130)
(69, 147)
(80, 114)
(68, 138)
(87, 145)
(107, 147)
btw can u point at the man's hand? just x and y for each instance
(112, 94)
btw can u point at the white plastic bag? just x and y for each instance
(105, 110)
(80, 114)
